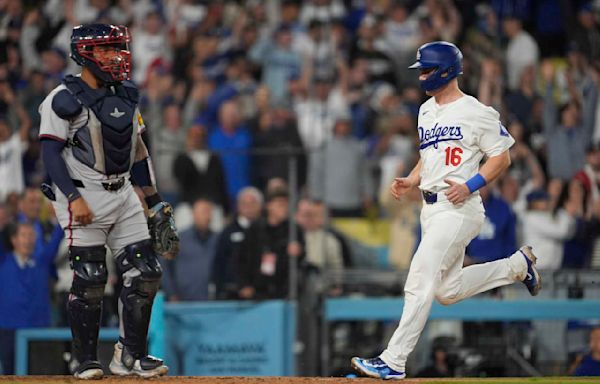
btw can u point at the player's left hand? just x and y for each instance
(457, 193)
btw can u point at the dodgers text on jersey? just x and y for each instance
(437, 134)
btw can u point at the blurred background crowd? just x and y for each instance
(243, 99)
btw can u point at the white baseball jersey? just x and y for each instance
(54, 127)
(453, 139)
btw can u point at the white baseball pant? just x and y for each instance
(118, 221)
(436, 271)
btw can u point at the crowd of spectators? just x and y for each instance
(232, 90)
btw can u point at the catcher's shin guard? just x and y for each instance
(141, 273)
(84, 307)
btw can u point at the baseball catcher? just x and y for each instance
(92, 149)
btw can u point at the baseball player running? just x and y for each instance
(91, 147)
(455, 132)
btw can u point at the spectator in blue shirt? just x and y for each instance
(232, 141)
(187, 277)
(498, 234)
(24, 287)
(30, 208)
(589, 365)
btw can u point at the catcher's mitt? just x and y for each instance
(163, 231)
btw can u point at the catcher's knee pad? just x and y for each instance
(141, 273)
(89, 266)
(138, 262)
(84, 306)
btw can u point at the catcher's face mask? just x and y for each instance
(104, 49)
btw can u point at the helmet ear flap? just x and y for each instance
(447, 72)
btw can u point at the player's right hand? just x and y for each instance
(400, 186)
(81, 212)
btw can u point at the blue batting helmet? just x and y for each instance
(114, 69)
(445, 57)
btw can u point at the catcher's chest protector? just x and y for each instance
(107, 142)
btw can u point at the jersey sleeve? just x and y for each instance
(493, 136)
(51, 125)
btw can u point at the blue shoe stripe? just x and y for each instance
(376, 367)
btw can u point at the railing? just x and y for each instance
(370, 295)
(374, 295)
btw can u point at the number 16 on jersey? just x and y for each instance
(453, 155)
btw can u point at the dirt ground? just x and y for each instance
(286, 380)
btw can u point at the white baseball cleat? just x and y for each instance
(376, 368)
(124, 364)
(88, 370)
(532, 280)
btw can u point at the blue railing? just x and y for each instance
(371, 308)
(245, 338)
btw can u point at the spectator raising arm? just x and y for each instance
(550, 120)
(50, 250)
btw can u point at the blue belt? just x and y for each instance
(429, 197)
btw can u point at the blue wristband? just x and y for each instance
(475, 182)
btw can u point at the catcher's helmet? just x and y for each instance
(86, 37)
(445, 57)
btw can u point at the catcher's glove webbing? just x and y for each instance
(163, 231)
